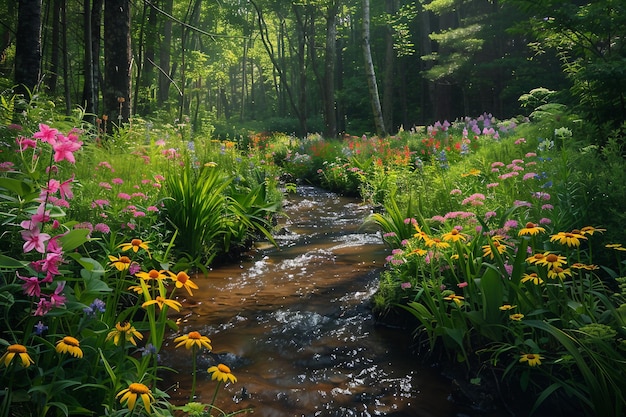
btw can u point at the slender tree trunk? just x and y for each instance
(53, 73)
(89, 86)
(66, 59)
(330, 111)
(390, 60)
(165, 73)
(28, 46)
(117, 60)
(370, 73)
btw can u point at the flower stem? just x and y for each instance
(193, 375)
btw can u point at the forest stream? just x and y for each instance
(294, 326)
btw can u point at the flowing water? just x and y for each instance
(294, 326)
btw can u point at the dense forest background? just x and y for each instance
(299, 66)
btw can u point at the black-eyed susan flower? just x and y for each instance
(532, 359)
(590, 230)
(135, 245)
(162, 301)
(418, 252)
(454, 236)
(69, 345)
(516, 317)
(537, 258)
(616, 246)
(420, 233)
(222, 373)
(532, 277)
(17, 351)
(436, 243)
(193, 339)
(497, 244)
(507, 307)
(458, 299)
(568, 238)
(531, 229)
(137, 288)
(559, 272)
(553, 261)
(587, 267)
(182, 280)
(152, 274)
(134, 391)
(122, 263)
(124, 331)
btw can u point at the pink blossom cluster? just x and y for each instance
(54, 192)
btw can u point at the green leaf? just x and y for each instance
(19, 187)
(73, 239)
(492, 294)
(8, 262)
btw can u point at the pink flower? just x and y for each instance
(529, 176)
(492, 184)
(34, 240)
(456, 191)
(102, 228)
(6, 166)
(405, 285)
(117, 181)
(51, 263)
(462, 284)
(105, 185)
(105, 164)
(46, 134)
(490, 214)
(54, 246)
(100, 203)
(510, 224)
(547, 207)
(43, 307)
(123, 196)
(31, 286)
(65, 188)
(56, 298)
(64, 149)
(51, 188)
(139, 214)
(25, 143)
(152, 209)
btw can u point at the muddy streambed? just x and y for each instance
(294, 326)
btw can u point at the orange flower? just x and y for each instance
(182, 280)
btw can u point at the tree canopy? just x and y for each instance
(298, 66)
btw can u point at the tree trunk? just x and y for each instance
(165, 73)
(117, 61)
(371, 74)
(328, 90)
(390, 60)
(53, 73)
(90, 93)
(66, 59)
(28, 46)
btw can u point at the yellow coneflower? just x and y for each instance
(222, 373)
(17, 351)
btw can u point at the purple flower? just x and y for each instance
(97, 306)
(40, 328)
